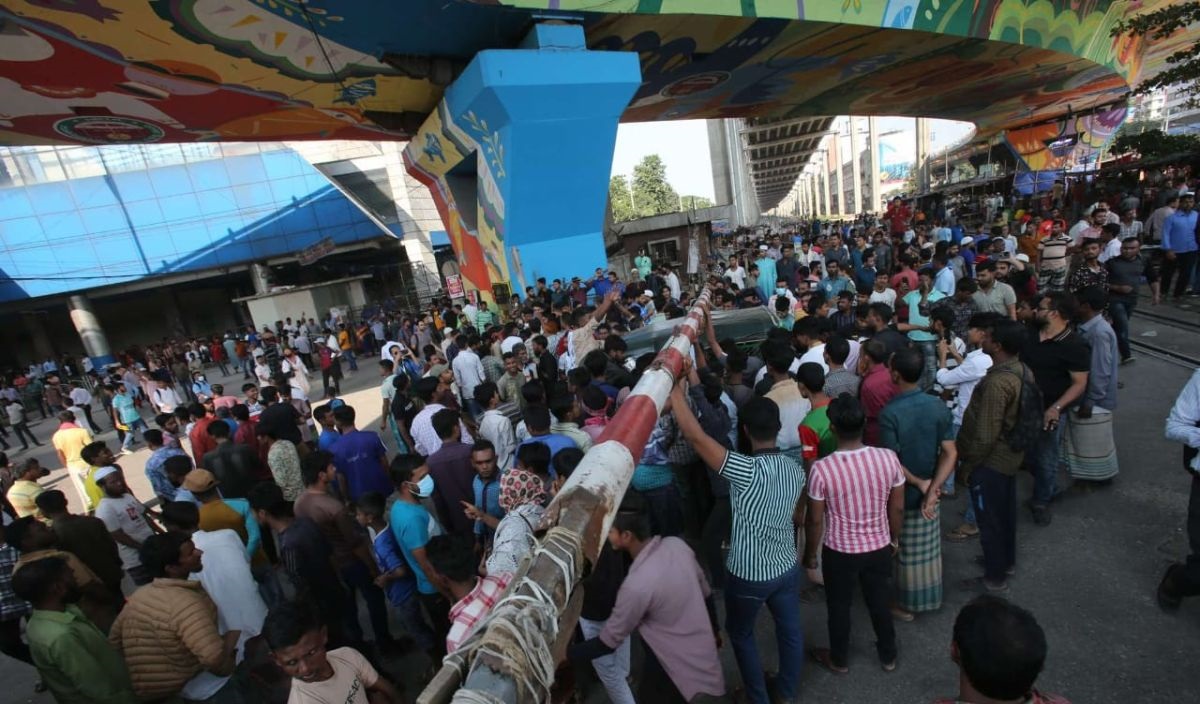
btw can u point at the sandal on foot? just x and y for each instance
(888, 666)
(822, 657)
(963, 533)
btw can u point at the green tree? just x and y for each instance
(1154, 144)
(1159, 25)
(696, 202)
(619, 197)
(652, 195)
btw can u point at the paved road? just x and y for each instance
(1089, 578)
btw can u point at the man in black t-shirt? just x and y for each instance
(1059, 359)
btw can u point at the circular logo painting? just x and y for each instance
(109, 130)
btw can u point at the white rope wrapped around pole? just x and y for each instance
(512, 655)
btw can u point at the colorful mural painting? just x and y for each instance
(1070, 142)
(101, 71)
(517, 157)
(127, 71)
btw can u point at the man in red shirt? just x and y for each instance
(877, 386)
(202, 442)
(898, 214)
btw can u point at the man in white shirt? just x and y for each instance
(164, 397)
(82, 398)
(511, 339)
(468, 373)
(494, 425)
(673, 283)
(227, 579)
(1111, 237)
(425, 439)
(124, 517)
(1154, 225)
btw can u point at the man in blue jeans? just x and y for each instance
(126, 414)
(764, 489)
(1059, 359)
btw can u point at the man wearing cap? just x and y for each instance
(1179, 246)
(966, 250)
(217, 513)
(126, 520)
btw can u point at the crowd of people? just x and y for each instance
(909, 366)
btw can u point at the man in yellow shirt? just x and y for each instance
(24, 491)
(69, 441)
(95, 455)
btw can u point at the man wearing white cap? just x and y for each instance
(645, 305)
(125, 518)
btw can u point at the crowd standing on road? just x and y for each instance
(911, 364)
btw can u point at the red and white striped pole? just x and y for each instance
(607, 469)
(581, 513)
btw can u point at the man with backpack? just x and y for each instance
(996, 431)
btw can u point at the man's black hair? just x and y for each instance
(614, 343)
(402, 467)
(33, 580)
(778, 355)
(1093, 297)
(267, 496)
(838, 349)
(313, 464)
(909, 363)
(484, 392)
(760, 418)
(1001, 647)
(453, 556)
(882, 310)
(344, 414)
(178, 464)
(217, 429)
(567, 460)
(595, 362)
(288, 622)
(445, 422)
(51, 501)
(846, 417)
(535, 457)
(181, 515)
(1010, 336)
(372, 503)
(537, 418)
(160, 551)
(154, 436)
(811, 376)
(632, 517)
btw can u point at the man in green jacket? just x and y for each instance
(71, 654)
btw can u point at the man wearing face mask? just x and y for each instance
(409, 523)
(72, 655)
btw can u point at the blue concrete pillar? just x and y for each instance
(95, 343)
(518, 153)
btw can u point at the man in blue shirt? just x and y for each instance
(126, 415)
(1179, 246)
(537, 422)
(360, 458)
(323, 414)
(409, 523)
(943, 278)
(836, 282)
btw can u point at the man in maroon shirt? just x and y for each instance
(877, 387)
(453, 474)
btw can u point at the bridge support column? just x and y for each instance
(95, 342)
(518, 153)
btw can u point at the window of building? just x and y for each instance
(664, 251)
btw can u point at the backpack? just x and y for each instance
(1025, 433)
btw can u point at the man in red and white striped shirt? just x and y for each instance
(861, 491)
(455, 560)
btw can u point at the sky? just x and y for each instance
(683, 146)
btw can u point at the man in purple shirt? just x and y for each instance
(666, 598)
(453, 474)
(360, 458)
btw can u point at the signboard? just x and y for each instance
(473, 297)
(310, 255)
(721, 227)
(454, 286)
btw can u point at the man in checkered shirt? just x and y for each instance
(454, 559)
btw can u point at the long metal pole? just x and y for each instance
(855, 169)
(873, 146)
(584, 508)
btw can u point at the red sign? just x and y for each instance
(454, 286)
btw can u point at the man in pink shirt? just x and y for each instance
(860, 490)
(220, 399)
(666, 598)
(877, 387)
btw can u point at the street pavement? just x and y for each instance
(1089, 577)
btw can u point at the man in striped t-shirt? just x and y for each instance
(860, 489)
(764, 489)
(1052, 260)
